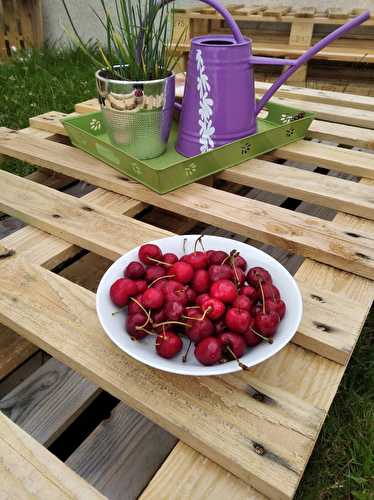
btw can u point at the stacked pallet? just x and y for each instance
(295, 30)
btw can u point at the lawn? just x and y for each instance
(342, 465)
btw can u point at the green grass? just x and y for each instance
(342, 465)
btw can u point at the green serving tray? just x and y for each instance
(171, 170)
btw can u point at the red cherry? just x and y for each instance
(220, 326)
(149, 250)
(235, 342)
(257, 274)
(266, 323)
(133, 307)
(256, 308)
(222, 272)
(200, 329)
(238, 276)
(216, 257)
(168, 344)
(251, 292)
(191, 295)
(240, 262)
(183, 271)
(173, 310)
(121, 290)
(277, 306)
(152, 298)
(154, 272)
(270, 291)
(158, 316)
(209, 351)
(193, 312)
(251, 338)
(242, 302)
(173, 290)
(170, 258)
(160, 284)
(132, 322)
(200, 282)
(215, 306)
(238, 320)
(224, 290)
(200, 299)
(198, 260)
(135, 270)
(141, 285)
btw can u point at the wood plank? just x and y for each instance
(83, 224)
(339, 159)
(332, 192)
(47, 402)
(77, 339)
(28, 470)
(337, 13)
(277, 226)
(122, 454)
(14, 350)
(276, 11)
(307, 12)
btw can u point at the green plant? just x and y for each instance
(138, 40)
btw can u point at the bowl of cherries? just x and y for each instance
(199, 306)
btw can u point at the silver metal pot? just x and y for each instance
(138, 115)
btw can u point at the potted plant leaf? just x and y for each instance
(134, 77)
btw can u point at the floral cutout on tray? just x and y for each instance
(286, 118)
(206, 106)
(190, 169)
(246, 148)
(137, 169)
(290, 132)
(95, 125)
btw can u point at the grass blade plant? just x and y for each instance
(139, 37)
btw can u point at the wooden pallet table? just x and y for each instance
(272, 38)
(246, 435)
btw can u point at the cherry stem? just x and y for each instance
(184, 245)
(141, 307)
(269, 341)
(192, 307)
(161, 278)
(119, 310)
(159, 261)
(184, 359)
(156, 325)
(148, 320)
(207, 311)
(242, 365)
(199, 240)
(146, 331)
(263, 297)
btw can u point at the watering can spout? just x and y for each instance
(295, 64)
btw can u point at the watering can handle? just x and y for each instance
(296, 63)
(224, 13)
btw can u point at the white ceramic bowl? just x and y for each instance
(144, 350)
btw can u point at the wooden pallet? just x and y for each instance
(261, 425)
(269, 41)
(21, 25)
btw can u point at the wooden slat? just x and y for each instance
(122, 454)
(75, 337)
(337, 13)
(260, 221)
(324, 190)
(28, 470)
(276, 11)
(14, 350)
(47, 402)
(307, 12)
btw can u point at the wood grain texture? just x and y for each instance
(77, 340)
(301, 234)
(123, 453)
(47, 402)
(14, 350)
(29, 471)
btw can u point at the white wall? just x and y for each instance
(89, 27)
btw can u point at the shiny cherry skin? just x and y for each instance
(238, 276)
(219, 272)
(132, 322)
(256, 275)
(240, 262)
(170, 258)
(223, 290)
(191, 295)
(266, 323)
(200, 281)
(168, 344)
(135, 270)
(198, 260)
(153, 298)
(174, 290)
(270, 291)
(220, 326)
(159, 316)
(209, 351)
(251, 292)
(215, 308)
(200, 329)
(183, 271)
(149, 250)
(121, 290)
(235, 342)
(237, 320)
(133, 307)
(200, 299)
(251, 338)
(217, 257)
(153, 272)
(173, 310)
(141, 285)
(243, 302)
(277, 306)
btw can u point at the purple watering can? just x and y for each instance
(219, 104)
